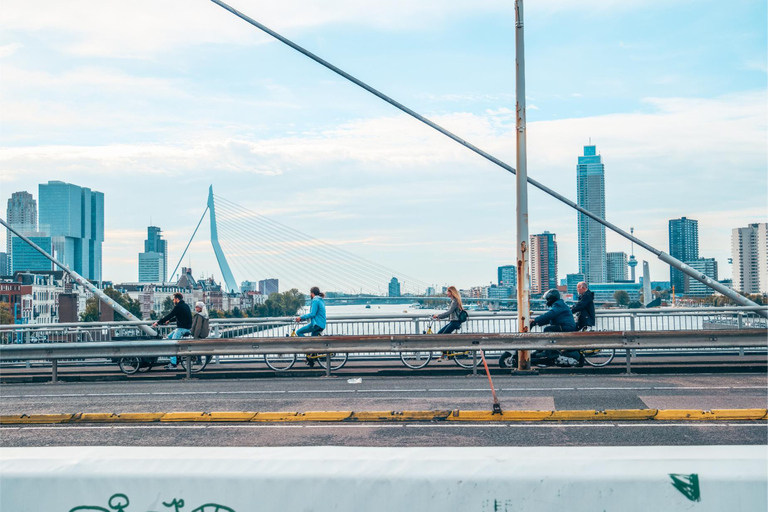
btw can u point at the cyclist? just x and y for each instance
(452, 314)
(584, 309)
(316, 315)
(183, 317)
(558, 319)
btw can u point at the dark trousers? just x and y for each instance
(450, 327)
(557, 328)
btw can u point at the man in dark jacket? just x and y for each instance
(183, 316)
(557, 319)
(584, 309)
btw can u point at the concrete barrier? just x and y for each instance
(500, 479)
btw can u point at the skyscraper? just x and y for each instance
(269, 286)
(749, 250)
(683, 245)
(508, 275)
(27, 258)
(590, 193)
(21, 214)
(73, 216)
(153, 262)
(616, 267)
(706, 266)
(543, 262)
(394, 287)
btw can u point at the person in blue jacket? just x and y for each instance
(558, 319)
(316, 315)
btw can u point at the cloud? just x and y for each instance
(144, 28)
(9, 49)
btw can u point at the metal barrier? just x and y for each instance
(385, 343)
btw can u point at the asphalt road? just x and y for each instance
(375, 393)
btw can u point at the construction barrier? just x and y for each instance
(346, 479)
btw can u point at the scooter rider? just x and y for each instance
(558, 319)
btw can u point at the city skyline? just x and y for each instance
(678, 116)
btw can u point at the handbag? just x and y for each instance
(462, 315)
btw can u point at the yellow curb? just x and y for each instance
(586, 415)
(684, 414)
(227, 416)
(474, 416)
(525, 415)
(95, 417)
(740, 414)
(135, 417)
(421, 415)
(325, 415)
(34, 419)
(275, 416)
(374, 416)
(182, 416)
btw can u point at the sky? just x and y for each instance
(152, 102)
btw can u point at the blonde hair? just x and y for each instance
(455, 294)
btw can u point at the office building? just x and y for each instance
(694, 287)
(153, 262)
(249, 286)
(268, 286)
(749, 251)
(4, 264)
(73, 217)
(571, 281)
(394, 287)
(683, 245)
(616, 267)
(507, 275)
(604, 292)
(590, 193)
(25, 258)
(21, 214)
(543, 251)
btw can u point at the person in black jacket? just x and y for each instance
(183, 316)
(558, 319)
(584, 309)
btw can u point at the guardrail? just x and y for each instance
(386, 343)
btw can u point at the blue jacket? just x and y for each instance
(316, 314)
(559, 314)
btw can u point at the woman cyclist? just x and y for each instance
(452, 314)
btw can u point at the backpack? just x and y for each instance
(462, 315)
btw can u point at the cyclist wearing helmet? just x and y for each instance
(559, 317)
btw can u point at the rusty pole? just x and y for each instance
(521, 179)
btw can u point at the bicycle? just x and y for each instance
(132, 365)
(419, 359)
(284, 362)
(596, 357)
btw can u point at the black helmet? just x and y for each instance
(551, 296)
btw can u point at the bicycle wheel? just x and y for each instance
(129, 365)
(198, 363)
(337, 360)
(416, 360)
(508, 360)
(465, 359)
(599, 357)
(280, 362)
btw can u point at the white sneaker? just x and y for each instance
(566, 361)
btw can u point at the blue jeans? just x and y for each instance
(450, 327)
(310, 328)
(177, 334)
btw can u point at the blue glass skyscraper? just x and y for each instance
(590, 193)
(73, 217)
(683, 245)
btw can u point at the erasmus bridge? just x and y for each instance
(251, 244)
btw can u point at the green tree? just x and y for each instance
(280, 304)
(6, 315)
(91, 313)
(167, 307)
(621, 297)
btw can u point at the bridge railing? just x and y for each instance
(662, 319)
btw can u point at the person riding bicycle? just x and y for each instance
(558, 319)
(201, 326)
(584, 309)
(183, 317)
(316, 315)
(452, 314)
